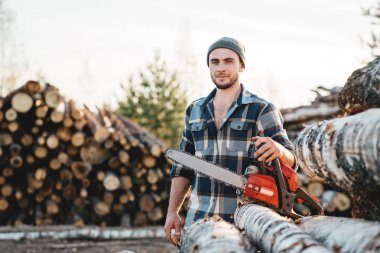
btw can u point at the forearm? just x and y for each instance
(178, 190)
(287, 158)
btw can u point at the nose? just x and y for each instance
(220, 67)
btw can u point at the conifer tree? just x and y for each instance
(156, 100)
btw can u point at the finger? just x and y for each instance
(262, 150)
(168, 229)
(174, 237)
(263, 157)
(177, 226)
(260, 141)
(271, 158)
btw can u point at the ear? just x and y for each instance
(241, 68)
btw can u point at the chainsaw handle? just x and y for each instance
(317, 209)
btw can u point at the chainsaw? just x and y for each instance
(272, 185)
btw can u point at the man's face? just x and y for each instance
(224, 67)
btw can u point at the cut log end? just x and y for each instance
(22, 102)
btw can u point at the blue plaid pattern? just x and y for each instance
(247, 117)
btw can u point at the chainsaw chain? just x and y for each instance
(224, 168)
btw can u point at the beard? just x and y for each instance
(223, 86)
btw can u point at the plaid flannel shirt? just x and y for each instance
(247, 117)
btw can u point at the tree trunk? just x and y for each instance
(344, 152)
(274, 233)
(362, 89)
(214, 236)
(343, 234)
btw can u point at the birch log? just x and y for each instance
(344, 152)
(362, 89)
(214, 235)
(274, 233)
(344, 234)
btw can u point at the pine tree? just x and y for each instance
(156, 101)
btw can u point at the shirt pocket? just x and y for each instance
(239, 136)
(200, 134)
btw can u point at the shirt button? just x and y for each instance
(197, 128)
(238, 127)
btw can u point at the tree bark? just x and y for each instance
(343, 234)
(213, 235)
(362, 89)
(274, 233)
(344, 153)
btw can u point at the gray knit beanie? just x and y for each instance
(229, 43)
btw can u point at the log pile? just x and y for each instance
(271, 232)
(267, 231)
(344, 152)
(61, 163)
(325, 106)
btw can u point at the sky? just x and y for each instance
(87, 48)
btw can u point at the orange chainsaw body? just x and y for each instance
(264, 187)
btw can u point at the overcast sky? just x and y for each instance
(88, 47)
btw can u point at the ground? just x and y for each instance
(54, 239)
(41, 246)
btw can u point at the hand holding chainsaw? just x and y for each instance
(268, 150)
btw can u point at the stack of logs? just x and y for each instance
(343, 153)
(64, 164)
(324, 107)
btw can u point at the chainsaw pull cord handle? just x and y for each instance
(317, 209)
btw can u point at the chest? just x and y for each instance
(219, 113)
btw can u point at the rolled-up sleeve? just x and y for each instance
(270, 123)
(186, 145)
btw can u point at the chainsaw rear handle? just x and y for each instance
(316, 208)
